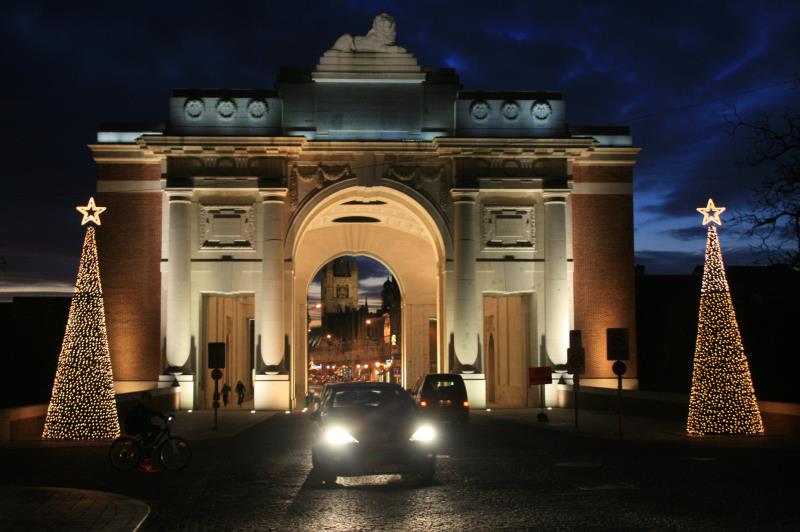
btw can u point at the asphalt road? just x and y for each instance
(495, 475)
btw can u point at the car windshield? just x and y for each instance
(369, 398)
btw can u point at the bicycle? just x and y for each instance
(173, 452)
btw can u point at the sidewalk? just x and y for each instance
(194, 426)
(24, 508)
(63, 509)
(199, 424)
(605, 425)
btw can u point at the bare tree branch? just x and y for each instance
(774, 217)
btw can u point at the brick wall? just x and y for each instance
(603, 266)
(129, 243)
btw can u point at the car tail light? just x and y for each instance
(466, 404)
(423, 404)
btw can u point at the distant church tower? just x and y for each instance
(340, 285)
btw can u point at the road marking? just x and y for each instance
(608, 487)
(579, 464)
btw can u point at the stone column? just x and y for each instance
(270, 328)
(466, 305)
(468, 322)
(271, 391)
(556, 290)
(179, 279)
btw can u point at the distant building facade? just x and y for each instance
(339, 286)
(504, 225)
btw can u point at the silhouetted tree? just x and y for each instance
(775, 214)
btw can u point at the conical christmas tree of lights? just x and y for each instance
(723, 400)
(82, 405)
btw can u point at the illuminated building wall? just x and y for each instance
(602, 243)
(463, 195)
(129, 184)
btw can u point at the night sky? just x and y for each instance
(670, 70)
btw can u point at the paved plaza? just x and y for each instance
(504, 471)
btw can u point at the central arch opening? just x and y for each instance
(354, 323)
(401, 231)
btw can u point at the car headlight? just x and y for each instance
(338, 436)
(424, 433)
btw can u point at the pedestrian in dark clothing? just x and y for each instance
(226, 394)
(240, 392)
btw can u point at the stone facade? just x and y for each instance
(469, 197)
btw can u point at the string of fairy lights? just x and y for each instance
(722, 400)
(82, 405)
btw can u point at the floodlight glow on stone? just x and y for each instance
(714, 213)
(91, 212)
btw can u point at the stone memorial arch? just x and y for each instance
(505, 226)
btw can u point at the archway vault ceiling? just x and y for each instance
(399, 239)
(389, 215)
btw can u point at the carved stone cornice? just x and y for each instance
(514, 147)
(223, 146)
(610, 156)
(123, 154)
(422, 149)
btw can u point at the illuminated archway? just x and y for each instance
(348, 340)
(409, 237)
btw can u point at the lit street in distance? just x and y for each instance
(492, 475)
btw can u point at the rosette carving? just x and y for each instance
(541, 111)
(480, 109)
(194, 108)
(257, 109)
(226, 109)
(510, 110)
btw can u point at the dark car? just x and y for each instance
(443, 397)
(366, 428)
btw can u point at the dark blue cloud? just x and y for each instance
(670, 70)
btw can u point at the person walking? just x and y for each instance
(226, 394)
(240, 389)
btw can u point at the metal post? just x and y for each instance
(216, 374)
(619, 368)
(619, 403)
(576, 380)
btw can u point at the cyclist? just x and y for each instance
(139, 420)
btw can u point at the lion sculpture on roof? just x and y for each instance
(378, 39)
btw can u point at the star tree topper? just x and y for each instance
(711, 213)
(91, 213)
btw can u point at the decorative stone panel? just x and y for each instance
(227, 227)
(508, 227)
(306, 178)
